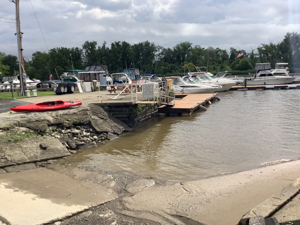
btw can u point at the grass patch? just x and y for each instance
(15, 137)
(8, 95)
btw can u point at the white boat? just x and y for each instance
(224, 77)
(149, 79)
(30, 84)
(265, 76)
(180, 86)
(281, 69)
(119, 78)
(205, 78)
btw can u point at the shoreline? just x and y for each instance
(223, 198)
(220, 199)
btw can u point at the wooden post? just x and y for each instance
(20, 50)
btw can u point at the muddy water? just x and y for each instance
(242, 131)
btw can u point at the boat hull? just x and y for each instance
(46, 106)
(193, 90)
(271, 80)
(225, 86)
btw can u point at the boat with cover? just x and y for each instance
(264, 76)
(46, 106)
(205, 78)
(30, 84)
(182, 87)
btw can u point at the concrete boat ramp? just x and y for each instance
(39, 196)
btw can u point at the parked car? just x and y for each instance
(46, 84)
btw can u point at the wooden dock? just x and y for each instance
(187, 104)
(265, 87)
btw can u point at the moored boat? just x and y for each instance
(46, 106)
(180, 86)
(264, 76)
(205, 78)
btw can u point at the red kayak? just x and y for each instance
(46, 106)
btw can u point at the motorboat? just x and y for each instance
(30, 84)
(224, 77)
(149, 78)
(264, 75)
(205, 78)
(180, 86)
(119, 78)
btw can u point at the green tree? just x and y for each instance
(89, 53)
(190, 67)
(12, 62)
(3, 68)
(182, 51)
(122, 55)
(144, 54)
(39, 67)
(75, 58)
(198, 56)
(103, 54)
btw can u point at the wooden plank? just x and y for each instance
(192, 101)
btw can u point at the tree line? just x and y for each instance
(154, 59)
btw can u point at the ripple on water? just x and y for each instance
(242, 131)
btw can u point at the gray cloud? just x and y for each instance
(220, 24)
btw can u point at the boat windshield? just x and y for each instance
(208, 76)
(188, 80)
(205, 77)
(178, 81)
(197, 78)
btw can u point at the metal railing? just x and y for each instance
(154, 92)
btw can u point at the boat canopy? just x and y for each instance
(131, 75)
(281, 65)
(121, 77)
(262, 66)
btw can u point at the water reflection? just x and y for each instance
(243, 130)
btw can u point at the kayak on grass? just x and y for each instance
(46, 106)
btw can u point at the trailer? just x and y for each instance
(67, 85)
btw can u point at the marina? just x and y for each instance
(147, 133)
(234, 140)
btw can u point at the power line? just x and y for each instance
(5, 20)
(39, 25)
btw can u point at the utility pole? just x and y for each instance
(20, 50)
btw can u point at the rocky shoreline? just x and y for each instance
(28, 138)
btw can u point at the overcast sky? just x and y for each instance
(242, 24)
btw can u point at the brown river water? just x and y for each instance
(240, 132)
